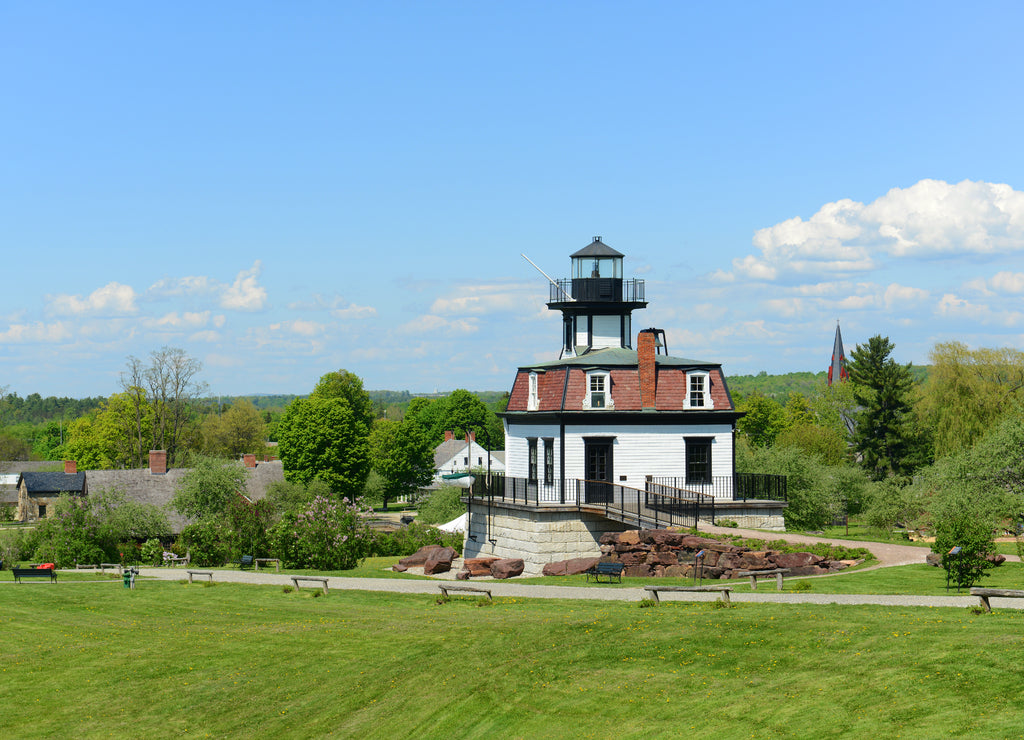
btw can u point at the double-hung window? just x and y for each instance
(698, 395)
(698, 460)
(549, 461)
(532, 455)
(599, 391)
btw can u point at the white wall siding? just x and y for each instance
(607, 331)
(638, 451)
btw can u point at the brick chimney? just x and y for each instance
(449, 435)
(645, 356)
(249, 460)
(70, 467)
(470, 437)
(158, 462)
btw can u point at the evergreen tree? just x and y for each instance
(885, 437)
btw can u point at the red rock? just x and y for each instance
(638, 571)
(630, 537)
(462, 575)
(795, 559)
(662, 558)
(507, 567)
(633, 557)
(440, 561)
(478, 566)
(421, 556)
(571, 567)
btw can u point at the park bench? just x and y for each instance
(116, 566)
(84, 566)
(207, 573)
(723, 590)
(246, 561)
(178, 560)
(754, 574)
(316, 579)
(607, 569)
(986, 593)
(469, 589)
(275, 561)
(20, 573)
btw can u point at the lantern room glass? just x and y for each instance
(597, 267)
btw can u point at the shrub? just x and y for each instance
(70, 536)
(731, 524)
(409, 539)
(151, 552)
(959, 523)
(443, 506)
(207, 541)
(12, 547)
(328, 535)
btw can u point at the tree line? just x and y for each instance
(897, 447)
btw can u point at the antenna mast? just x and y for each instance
(567, 296)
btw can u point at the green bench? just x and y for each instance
(20, 573)
(607, 570)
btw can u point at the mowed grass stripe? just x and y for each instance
(250, 661)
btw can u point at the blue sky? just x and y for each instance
(287, 189)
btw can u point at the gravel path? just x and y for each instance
(511, 589)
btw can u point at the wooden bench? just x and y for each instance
(777, 572)
(246, 561)
(468, 589)
(275, 561)
(178, 560)
(317, 579)
(723, 590)
(207, 573)
(83, 566)
(986, 593)
(20, 573)
(116, 566)
(607, 569)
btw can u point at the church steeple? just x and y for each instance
(596, 303)
(837, 369)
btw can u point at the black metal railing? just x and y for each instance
(596, 289)
(760, 486)
(667, 495)
(720, 487)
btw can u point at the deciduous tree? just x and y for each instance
(402, 456)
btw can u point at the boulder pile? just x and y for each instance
(437, 559)
(664, 553)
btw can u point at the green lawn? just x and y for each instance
(95, 660)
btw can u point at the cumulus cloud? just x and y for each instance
(931, 218)
(352, 311)
(246, 294)
(113, 299)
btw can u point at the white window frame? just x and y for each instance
(533, 400)
(705, 393)
(606, 390)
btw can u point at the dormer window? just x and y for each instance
(533, 402)
(698, 394)
(599, 391)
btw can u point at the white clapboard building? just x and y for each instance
(607, 436)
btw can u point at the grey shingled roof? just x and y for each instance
(597, 248)
(53, 482)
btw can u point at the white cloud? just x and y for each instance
(186, 320)
(902, 294)
(206, 336)
(1007, 283)
(190, 285)
(300, 327)
(37, 332)
(352, 311)
(429, 324)
(954, 307)
(479, 300)
(246, 294)
(113, 299)
(929, 219)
